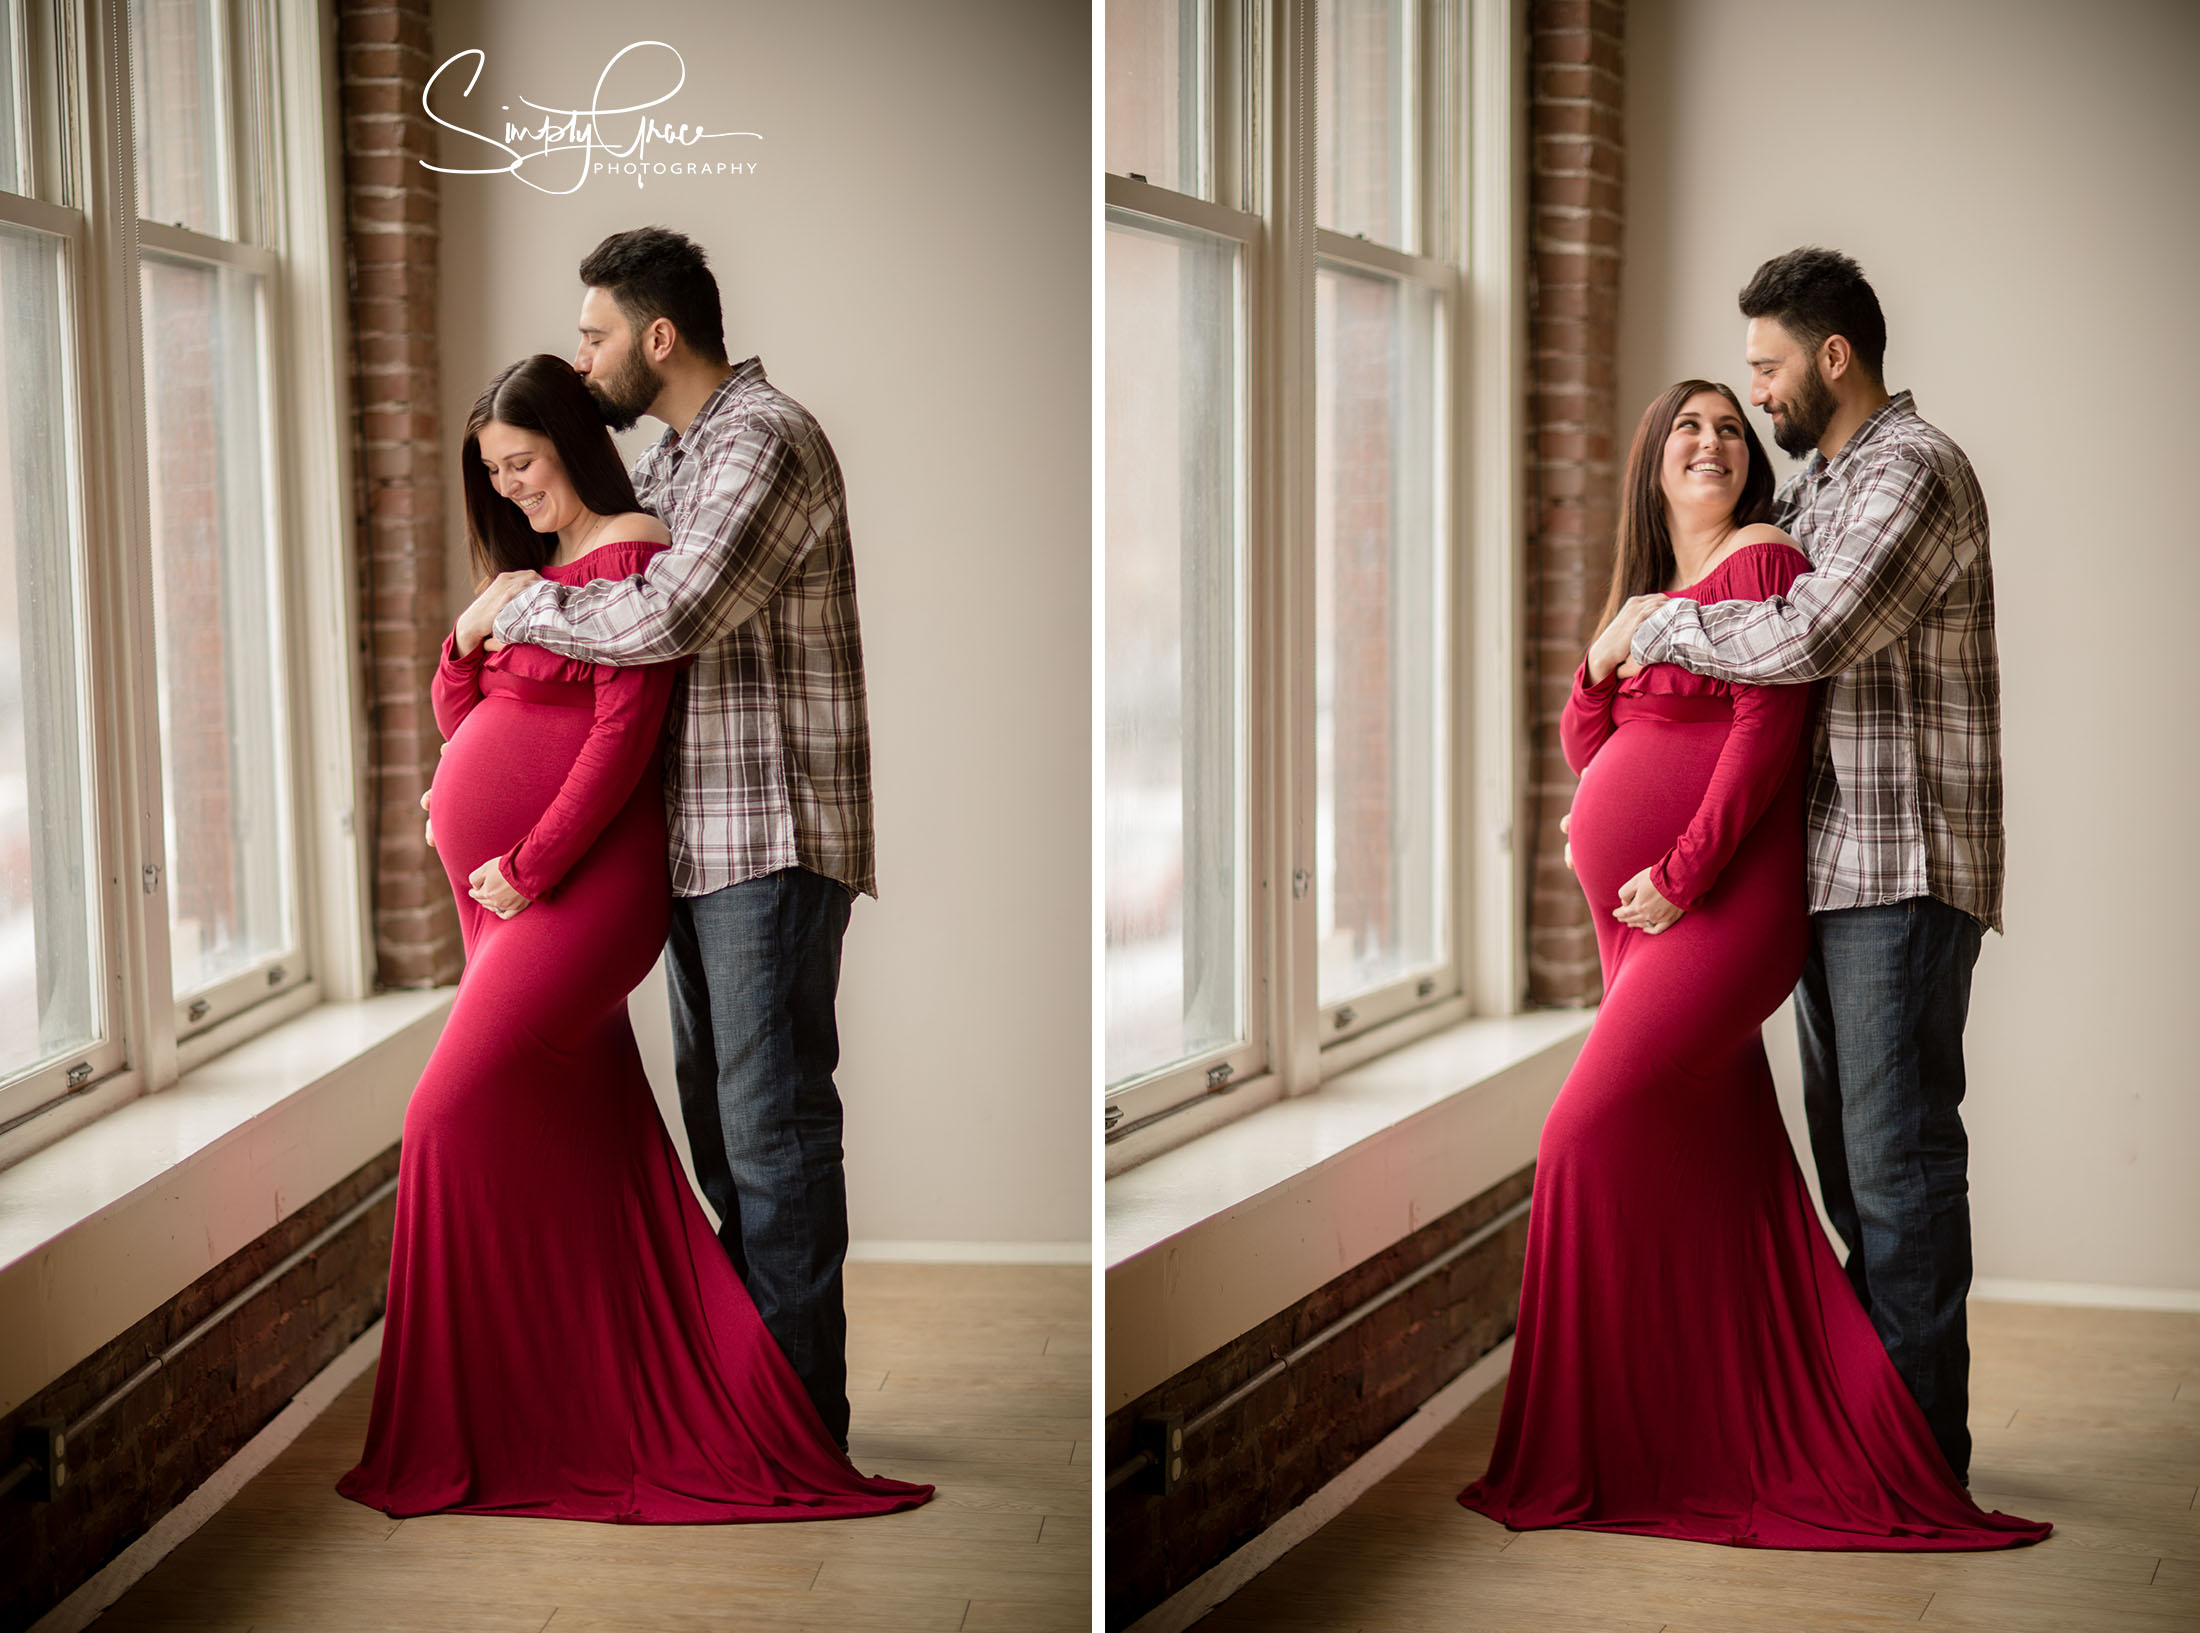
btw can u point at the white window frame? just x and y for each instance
(1468, 208)
(1231, 62)
(288, 218)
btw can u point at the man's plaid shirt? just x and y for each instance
(1897, 614)
(771, 766)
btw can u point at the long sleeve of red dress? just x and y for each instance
(456, 687)
(1760, 749)
(1586, 721)
(1759, 754)
(630, 708)
(630, 717)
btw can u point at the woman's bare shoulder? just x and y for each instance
(1763, 533)
(638, 527)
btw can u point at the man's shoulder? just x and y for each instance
(756, 427)
(1908, 438)
(752, 404)
(1914, 462)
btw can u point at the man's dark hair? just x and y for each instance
(1813, 293)
(654, 272)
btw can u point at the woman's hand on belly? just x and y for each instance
(488, 886)
(1642, 908)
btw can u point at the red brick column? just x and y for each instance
(391, 214)
(1577, 66)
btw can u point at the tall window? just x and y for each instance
(1281, 655)
(202, 287)
(52, 939)
(150, 889)
(1381, 473)
(1175, 747)
(1179, 920)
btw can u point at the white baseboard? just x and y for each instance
(123, 1572)
(2098, 1295)
(899, 1252)
(1192, 1601)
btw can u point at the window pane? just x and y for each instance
(1363, 169)
(1379, 633)
(176, 86)
(11, 102)
(222, 723)
(1157, 74)
(1175, 825)
(49, 933)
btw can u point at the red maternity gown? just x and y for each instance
(565, 1335)
(1691, 1361)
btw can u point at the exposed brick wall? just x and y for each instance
(1577, 68)
(1301, 1430)
(166, 1440)
(391, 209)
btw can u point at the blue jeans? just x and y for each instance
(753, 970)
(1880, 1013)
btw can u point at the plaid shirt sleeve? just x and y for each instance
(1891, 553)
(749, 531)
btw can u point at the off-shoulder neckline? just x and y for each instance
(612, 544)
(1725, 563)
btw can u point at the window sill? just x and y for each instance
(115, 1218)
(1208, 1240)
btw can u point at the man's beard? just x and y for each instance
(1808, 414)
(625, 396)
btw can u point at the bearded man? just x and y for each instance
(1905, 802)
(768, 792)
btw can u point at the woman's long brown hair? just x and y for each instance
(542, 394)
(1642, 561)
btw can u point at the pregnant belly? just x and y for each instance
(1639, 793)
(501, 771)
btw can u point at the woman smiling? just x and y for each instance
(565, 1336)
(1690, 1360)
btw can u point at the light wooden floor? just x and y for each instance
(2088, 1418)
(977, 1378)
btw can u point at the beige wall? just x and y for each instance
(911, 260)
(2018, 181)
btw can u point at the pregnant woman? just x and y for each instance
(1690, 1359)
(565, 1336)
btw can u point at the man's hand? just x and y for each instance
(477, 624)
(1614, 647)
(1642, 908)
(1565, 823)
(488, 886)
